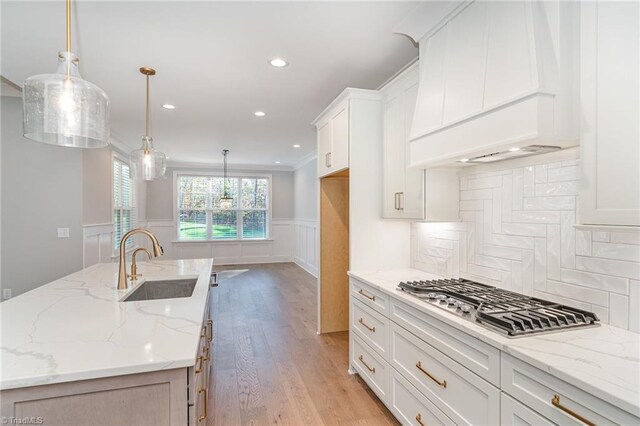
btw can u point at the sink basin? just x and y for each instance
(163, 289)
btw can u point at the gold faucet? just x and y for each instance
(122, 270)
(134, 267)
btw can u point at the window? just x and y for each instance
(124, 217)
(202, 214)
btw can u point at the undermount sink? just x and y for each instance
(163, 289)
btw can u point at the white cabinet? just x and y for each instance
(346, 119)
(404, 194)
(514, 413)
(610, 101)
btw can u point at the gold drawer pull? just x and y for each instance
(440, 383)
(206, 400)
(373, 370)
(372, 298)
(361, 321)
(210, 330)
(419, 419)
(199, 364)
(556, 403)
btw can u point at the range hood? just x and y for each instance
(497, 80)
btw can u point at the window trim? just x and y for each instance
(268, 176)
(114, 253)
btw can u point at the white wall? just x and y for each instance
(160, 220)
(517, 232)
(41, 191)
(306, 187)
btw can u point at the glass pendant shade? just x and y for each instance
(63, 109)
(147, 163)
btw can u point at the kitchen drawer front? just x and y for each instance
(372, 327)
(372, 368)
(537, 389)
(410, 406)
(370, 296)
(514, 413)
(461, 395)
(477, 356)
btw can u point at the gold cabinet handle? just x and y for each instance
(199, 361)
(209, 330)
(419, 419)
(372, 369)
(556, 403)
(206, 400)
(361, 321)
(400, 200)
(395, 201)
(372, 298)
(440, 383)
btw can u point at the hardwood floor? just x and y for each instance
(270, 366)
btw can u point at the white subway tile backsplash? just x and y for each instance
(625, 237)
(525, 216)
(524, 229)
(557, 188)
(518, 233)
(550, 203)
(619, 310)
(617, 251)
(597, 281)
(609, 267)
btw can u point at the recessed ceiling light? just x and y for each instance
(514, 149)
(278, 63)
(296, 146)
(277, 162)
(168, 106)
(259, 113)
(464, 160)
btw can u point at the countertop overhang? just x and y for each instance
(77, 328)
(604, 361)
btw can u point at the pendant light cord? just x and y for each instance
(68, 25)
(146, 111)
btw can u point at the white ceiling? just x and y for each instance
(212, 64)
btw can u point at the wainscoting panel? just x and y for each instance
(306, 244)
(277, 249)
(97, 244)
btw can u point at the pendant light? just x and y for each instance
(147, 163)
(62, 108)
(226, 201)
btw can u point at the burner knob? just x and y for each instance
(431, 295)
(466, 308)
(451, 301)
(441, 297)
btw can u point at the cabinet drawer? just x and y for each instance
(538, 390)
(372, 368)
(514, 413)
(410, 406)
(477, 356)
(463, 396)
(370, 296)
(372, 327)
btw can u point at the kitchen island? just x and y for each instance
(73, 351)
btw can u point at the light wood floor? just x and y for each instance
(270, 366)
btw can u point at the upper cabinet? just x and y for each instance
(495, 76)
(610, 105)
(335, 130)
(404, 195)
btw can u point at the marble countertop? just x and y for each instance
(77, 328)
(604, 361)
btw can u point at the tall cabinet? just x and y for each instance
(610, 101)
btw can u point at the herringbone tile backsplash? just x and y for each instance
(517, 232)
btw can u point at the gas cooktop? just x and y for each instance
(505, 311)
